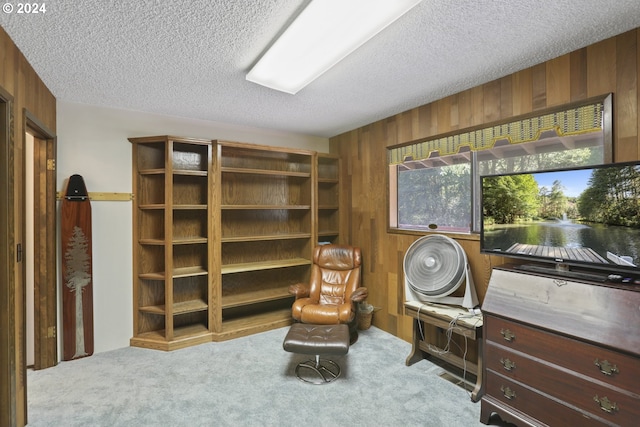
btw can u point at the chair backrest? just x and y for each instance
(335, 273)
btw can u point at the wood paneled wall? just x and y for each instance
(21, 83)
(610, 66)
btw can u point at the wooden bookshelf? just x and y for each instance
(221, 230)
(328, 198)
(266, 198)
(172, 240)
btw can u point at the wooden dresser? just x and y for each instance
(560, 352)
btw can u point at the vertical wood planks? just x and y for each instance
(608, 66)
(626, 98)
(29, 93)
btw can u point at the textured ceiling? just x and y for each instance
(189, 57)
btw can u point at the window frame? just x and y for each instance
(392, 179)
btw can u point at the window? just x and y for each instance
(434, 193)
(432, 182)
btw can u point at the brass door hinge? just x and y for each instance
(51, 164)
(51, 332)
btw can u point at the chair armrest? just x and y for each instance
(300, 290)
(359, 294)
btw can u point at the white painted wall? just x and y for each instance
(92, 142)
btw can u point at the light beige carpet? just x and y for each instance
(247, 382)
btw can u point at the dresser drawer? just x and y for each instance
(599, 399)
(526, 400)
(611, 367)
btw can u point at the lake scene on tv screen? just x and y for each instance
(583, 215)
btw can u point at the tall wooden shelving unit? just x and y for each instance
(328, 197)
(172, 230)
(221, 230)
(267, 234)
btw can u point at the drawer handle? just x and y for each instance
(507, 364)
(605, 404)
(606, 367)
(508, 393)
(507, 334)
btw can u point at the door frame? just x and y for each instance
(45, 242)
(9, 369)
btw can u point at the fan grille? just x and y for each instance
(435, 266)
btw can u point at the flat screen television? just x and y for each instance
(583, 217)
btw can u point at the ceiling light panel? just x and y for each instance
(324, 33)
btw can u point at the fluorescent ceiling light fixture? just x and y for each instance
(321, 36)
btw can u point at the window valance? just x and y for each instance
(574, 121)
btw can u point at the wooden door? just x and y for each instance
(20, 284)
(45, 243)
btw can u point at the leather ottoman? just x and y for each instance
(317, 340)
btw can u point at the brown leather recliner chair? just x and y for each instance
(334, 288)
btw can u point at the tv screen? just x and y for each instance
(587, 216)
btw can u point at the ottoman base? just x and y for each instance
(318, 371)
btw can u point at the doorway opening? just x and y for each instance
(30, 262)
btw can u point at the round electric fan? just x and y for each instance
(435, 266)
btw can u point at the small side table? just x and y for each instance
(441, 316)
